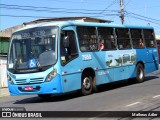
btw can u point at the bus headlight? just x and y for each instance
(9, 79)
(51, 75)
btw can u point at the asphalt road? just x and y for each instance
(119, 96)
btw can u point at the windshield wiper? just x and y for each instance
(15, 65)
(38, 65)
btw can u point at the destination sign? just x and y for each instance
(39, 33)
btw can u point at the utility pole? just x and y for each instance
(122, 11)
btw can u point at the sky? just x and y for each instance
(137, 12)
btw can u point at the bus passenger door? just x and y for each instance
(69, 61)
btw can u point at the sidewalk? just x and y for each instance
(4, 92)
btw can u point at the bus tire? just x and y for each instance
(140, 75)
(45, 96)
(87, 85)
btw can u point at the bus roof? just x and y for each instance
(75, 23)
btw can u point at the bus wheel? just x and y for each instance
(45, 96)
(87, 85)
(140, 73)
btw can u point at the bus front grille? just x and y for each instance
(21, 81)
(29, 81)
(36, 80)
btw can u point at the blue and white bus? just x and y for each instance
(58, 57)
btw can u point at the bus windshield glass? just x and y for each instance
(33, 48)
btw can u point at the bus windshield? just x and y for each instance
(33, 48)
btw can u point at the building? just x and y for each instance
(157, 37)
(6, 34)
(4, 43)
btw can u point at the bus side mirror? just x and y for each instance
(66, 41)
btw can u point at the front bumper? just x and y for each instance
(52, 87)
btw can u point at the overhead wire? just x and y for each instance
(140, 18)
(143, 16)
(8, 15)
(108, 6)
(106, 9)
(54, 10)
(50, 8)
(80, 1)
(126, 10)
(89, 12)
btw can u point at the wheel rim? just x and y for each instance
(86, 83)
(140, 73)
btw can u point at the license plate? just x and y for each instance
(28, 88)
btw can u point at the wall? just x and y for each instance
(4, 44)
(3, 71)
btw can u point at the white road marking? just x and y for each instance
(132, 104)
(156, 96)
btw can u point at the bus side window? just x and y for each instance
(149, 38)
(123, 38)
(106, 38)
(137, 39)
(87, 38)
(68, 47)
